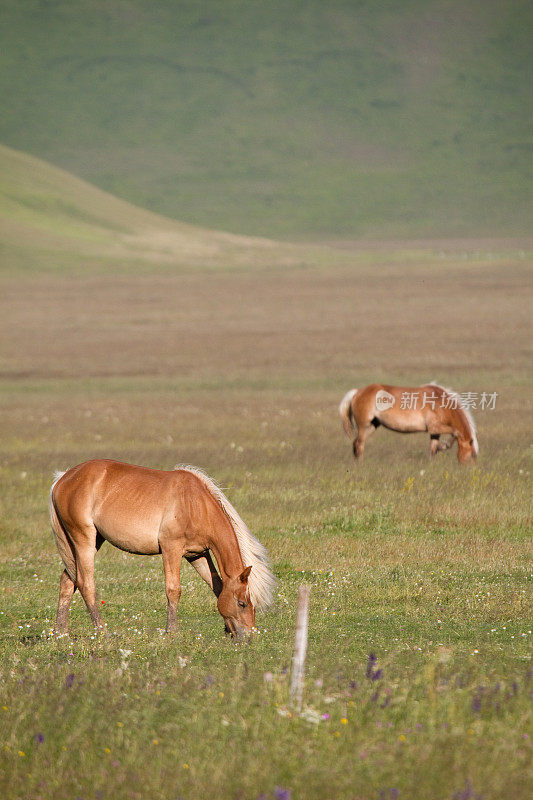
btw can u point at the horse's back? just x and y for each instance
(125, 503)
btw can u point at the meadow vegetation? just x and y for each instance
(289, 119)
(233, 354)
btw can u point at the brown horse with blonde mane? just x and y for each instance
(180, 514)
(430, 408)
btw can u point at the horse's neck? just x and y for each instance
(462, 424)
(223, 543)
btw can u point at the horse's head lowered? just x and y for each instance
(467, 449)
(235, 606)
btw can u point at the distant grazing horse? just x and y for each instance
(180, 513)
(428, 408)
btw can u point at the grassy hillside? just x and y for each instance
(287, 119)
(52, 221)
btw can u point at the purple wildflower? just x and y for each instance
(371, 661)
(282, 794)
(467, 793)
(69, 680)
(373, 674)
(477, 699)
(38, 738)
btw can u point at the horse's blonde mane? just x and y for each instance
(261, 582)
(466, 411)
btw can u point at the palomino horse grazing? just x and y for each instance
(428, 408)
(181, 513)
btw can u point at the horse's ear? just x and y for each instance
(243, 577)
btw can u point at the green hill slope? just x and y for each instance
(53, 221)
(293, 118)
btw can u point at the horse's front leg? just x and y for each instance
(172, 554)
(67, 587)
(203, 564)
(434, 444)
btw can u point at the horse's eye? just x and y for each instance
(241, 604)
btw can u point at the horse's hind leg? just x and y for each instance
(67, 587)
(362, 436)
(85, 547)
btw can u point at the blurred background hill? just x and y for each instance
(288, 119)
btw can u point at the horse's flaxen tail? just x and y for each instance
(345, 410)
(62, 541)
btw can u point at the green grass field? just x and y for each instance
(129, 336)
(288, 119)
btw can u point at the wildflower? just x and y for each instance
(344, 721)
(185, 766)
(22, 753)
(467, 793)
(371, 673)
(282, 794)
(107, 750)
(311, 715)
(38, 738)
(268, 677)
(69, 680)
(325, 716)
(477, 699)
